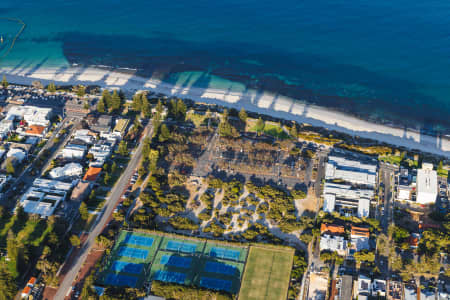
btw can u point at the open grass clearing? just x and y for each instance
(267, 273)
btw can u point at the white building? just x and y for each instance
(351, 171)
(101, 151)
(359, 237)
(44, 196)
(342, 195)
(73, 151)
(111, 137)
(363, 287)
(404, 193)
(69, 170)
(333, 243)
(85, 136)
(6, 126)
(17, 153)
(426, 184)
(379, 288)
(33, 115)
(410, 293)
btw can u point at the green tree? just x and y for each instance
(51, 88)
(4, 82)
(115, 101)
(260, 125)
(293, 131)
(146, 148)
(225, 128)
(173, 108)
(88, 292)
(8, 285)
(83, 210)
(107, 99)
(153, 160)
(81, 90)
(101, 105)
(113, 167)
(164, 133)
(146, 109)
(137, 122)
(123, 148)
(181, 110)
(106, 178)
(137, 102)
(364, 255)
(75, 240)
(243, 115)
(159, 107)
(10, 167)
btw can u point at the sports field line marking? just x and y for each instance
(270, 274)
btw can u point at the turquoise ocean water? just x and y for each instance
(381, 60)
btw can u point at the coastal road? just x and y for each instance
(108, 208)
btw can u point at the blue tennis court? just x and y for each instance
(121, 280)
(181, 246)
(133, 252)
(225, 253)
(127, 267)
(169, 276)
(215, 284)
(138, 240)
(176, 261)
(221, 268)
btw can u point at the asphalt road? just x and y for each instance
(108, 208)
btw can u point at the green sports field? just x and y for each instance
(267, 273)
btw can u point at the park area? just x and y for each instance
(267, 273)
(138, 258)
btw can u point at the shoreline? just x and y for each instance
(251, 100)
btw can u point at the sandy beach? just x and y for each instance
(260, 102)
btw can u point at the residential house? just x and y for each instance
(363, 287)
(359, 237)
(379, 288)
(331, 229)
(69, 170)
(333, 243)
(92, 174)
(73, 151)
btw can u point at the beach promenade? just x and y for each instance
(252, 100)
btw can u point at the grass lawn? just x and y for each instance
(197, 119)
(270, 128)
(442, 173)
(392, 159)
(267, 273)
